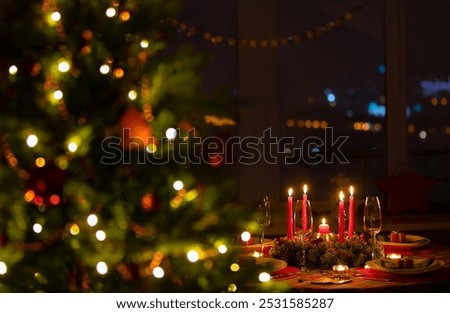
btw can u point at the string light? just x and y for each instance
(105, 69)
(158, 272)
(13, 70)
(63, 66)
(192, 256)
(57, 95)
(102, 268)
(100, 235)
(144, 43)
(32, 141)
(171, 133)
(218, 39)
(245, 236)
(55, 16)
(74, 229)
(132, 94)
(235, 267)
(40, 162)
(3, 268)
(92, 220)
(111, 12)
(37, 228)
(72, 146)
(178, 185)
(264, 277)
(222, 249)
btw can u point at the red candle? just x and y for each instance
(341, 219)
(290, 216)
(351, 213)
(324, 228)
(304, 199)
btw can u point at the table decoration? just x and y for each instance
(320, 254)
(341, 219)
(290, 216)
(434, 265)
(341, 271)
(351, 213)
(411, 242)
(304, 208)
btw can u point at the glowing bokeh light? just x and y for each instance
(192, 256)
(178, 185)
(158, 272)
(102, 268)
(32, 140)
(171, 133)
(3, 268)
(92, 220)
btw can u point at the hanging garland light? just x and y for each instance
(218, 39)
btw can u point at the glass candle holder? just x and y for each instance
(341, 271)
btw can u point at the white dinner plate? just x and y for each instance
(412, 241)
(376, 265)
(275, 264)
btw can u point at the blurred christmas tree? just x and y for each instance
(89, 90)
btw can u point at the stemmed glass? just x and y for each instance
(304, 227)
(372, 218)
(263, 215)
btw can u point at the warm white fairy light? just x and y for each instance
(193, 256)
(264, 277)
(40, 162)
(57, 95)
(178, 185)
(151, 148)
(63, 66)
(222, 249)
(145, 43)
(3, 268)
(100, 235)
(13, 70)
(56, 16)
(171, 133)
(158, 272)
(74, 229)
(102, 268)
(92, 220)
(37, 228)
(72, 146)
(232, 288)
(32, 140)
(234, 267)
(245, 236)
(132, 94)
(105, 69)
(111, 12)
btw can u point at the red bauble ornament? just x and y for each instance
(136, 131)
(45, 185)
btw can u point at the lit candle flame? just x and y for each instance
(290, 192)
(341, 196)
(305, 188)
(324, 221)
(351, 190)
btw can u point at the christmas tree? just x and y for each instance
(103, 185)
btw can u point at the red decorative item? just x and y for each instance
(46, 185)
(136, 132)
(407, 191)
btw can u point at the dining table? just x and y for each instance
(370, 278)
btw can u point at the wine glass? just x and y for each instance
(263, 215)
(372, 218)
(304, 226)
